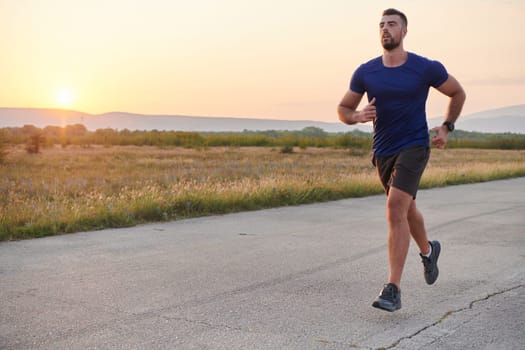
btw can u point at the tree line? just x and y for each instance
(35, 138)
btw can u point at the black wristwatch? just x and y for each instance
(449, 125)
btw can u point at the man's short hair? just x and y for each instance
(391, 12)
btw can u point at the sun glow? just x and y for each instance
(64, 97)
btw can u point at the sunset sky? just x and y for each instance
(286, 59)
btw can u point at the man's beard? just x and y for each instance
(389, 46)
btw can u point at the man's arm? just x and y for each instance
(452, 89)
(347, 109)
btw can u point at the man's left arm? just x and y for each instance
(452, 89)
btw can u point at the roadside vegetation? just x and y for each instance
(80, 180)
(36, 138)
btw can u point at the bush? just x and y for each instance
(34, 143)
(288, 149)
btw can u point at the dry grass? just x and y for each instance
(72, 189)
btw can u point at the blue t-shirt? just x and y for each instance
(401, 93)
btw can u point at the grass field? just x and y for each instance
(63, 190)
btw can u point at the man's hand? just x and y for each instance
(441, 136)
(347, 109)
(368, 113)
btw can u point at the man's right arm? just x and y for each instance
(347, 109)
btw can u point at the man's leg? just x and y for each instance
(397, 208)
(397, 205)
(418, 232)
(417, 228)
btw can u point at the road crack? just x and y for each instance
(448, 314)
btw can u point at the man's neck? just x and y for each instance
(394, 58)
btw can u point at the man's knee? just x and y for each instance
(398, 205)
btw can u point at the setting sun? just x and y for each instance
(64, 97)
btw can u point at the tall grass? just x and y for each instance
(63, 190)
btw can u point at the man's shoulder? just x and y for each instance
(421, 60)
(372, 64)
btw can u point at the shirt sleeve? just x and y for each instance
(437, 74)
(356, 83)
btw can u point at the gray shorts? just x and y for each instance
(403, 170)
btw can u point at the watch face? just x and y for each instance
(449, 125)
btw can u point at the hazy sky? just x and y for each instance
(284, 59)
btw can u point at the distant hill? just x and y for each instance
(509, 119)
(16, 117)
(501, 120)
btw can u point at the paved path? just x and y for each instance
(288, 278)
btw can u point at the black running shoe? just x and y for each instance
(389, 299)
(430, 263)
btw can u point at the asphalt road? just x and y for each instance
(288, 278)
